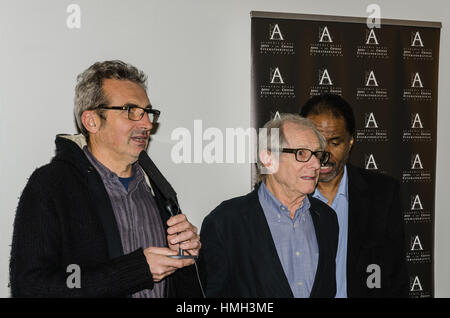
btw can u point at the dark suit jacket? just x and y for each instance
(65, 217)
(375, 235)
(240, 257)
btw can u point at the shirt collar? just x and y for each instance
(342, 190)
(275, 206)
(110, 176)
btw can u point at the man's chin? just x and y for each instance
(141, 146)
(326, 177)
(137, 151)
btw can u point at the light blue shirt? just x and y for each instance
(295, 241)
(340, 206)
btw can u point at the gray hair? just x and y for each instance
(88, 91)
(278, 124)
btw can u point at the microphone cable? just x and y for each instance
(169, 209)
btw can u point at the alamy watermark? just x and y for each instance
(374, 19)
(213, 145)
(73, 20)
(374, 279)
(74, 279)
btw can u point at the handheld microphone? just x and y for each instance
(166, 190)
(171, 206)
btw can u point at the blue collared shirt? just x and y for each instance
(295, 241)
(340, 206)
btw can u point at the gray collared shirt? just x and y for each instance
(137, 216)
(295, 241)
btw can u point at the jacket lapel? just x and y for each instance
(321, 246)
(162, 191)
(102, 205)
(357, 215)
(264, 250)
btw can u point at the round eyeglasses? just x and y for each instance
(304, 154)
(135, 113)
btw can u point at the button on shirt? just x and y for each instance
(136, 214)
(295, 241)
(340, 206)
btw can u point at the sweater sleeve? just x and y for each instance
(36, 266)
(213, 261)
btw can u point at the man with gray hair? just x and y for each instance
(276, 241)
(93, 222)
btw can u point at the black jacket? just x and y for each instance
(375, 235)
(240, 257)
(65, 217)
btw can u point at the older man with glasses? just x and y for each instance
(277, 241)
(93, 223)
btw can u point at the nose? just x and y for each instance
(314, 162)
(145, 122)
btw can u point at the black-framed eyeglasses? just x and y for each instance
(135, 113)
(304, 154)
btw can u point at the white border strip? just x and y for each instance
(332, 18)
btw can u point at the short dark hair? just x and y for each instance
(330, 103)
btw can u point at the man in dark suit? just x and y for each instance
(92, 222)
(371, 259)
(276, 241)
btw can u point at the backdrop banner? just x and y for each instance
(389, 75)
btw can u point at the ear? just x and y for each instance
(351, 142)
(264, 156)
(91, 121)
(268, 160)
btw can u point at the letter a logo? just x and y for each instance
(415, 244)
(415, 285)
(417, 40)
(276, 116)
(371, 80)
(416, 163)
(371, 38)
(370, 163)
(276, 77)
(416, 122)
(275, 33)
(415, 80)
(416, 204)
(370, 121)
(325, 35)
(324, 78)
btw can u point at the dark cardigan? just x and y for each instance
(65, 217)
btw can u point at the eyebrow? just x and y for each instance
(305, 147)
(335, 138)
(149, 106)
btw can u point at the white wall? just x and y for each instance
(197, 56)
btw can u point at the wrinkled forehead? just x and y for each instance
(297, 136)
(124, 91)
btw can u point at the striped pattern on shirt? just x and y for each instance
(136, 214)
